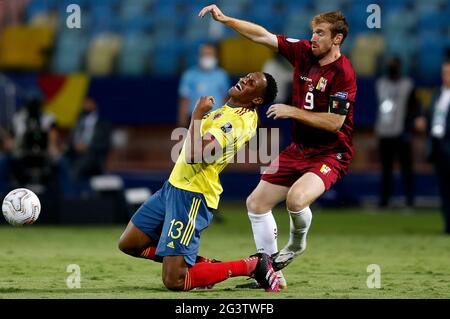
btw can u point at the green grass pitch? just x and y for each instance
(410, 250)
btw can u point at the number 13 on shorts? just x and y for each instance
(177, 228)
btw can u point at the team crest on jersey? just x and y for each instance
(227, 127)
(325, 169)
(218, 115)
(322, 84)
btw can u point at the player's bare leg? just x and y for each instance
(302, 194)
(136, 243)
(259, 206)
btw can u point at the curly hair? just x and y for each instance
(271, 89)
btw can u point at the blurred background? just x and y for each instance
(86, 114)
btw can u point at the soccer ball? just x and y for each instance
(21, 206)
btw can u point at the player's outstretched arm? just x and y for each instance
(247, 29)
(325, 121)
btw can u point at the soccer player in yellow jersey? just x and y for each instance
(167, 227)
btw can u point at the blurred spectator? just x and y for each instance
(89, 143)
(282, 71)
(31, 151)
(206, 78)
(437, 124)
(398, 108)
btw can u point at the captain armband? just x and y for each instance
(339, 104)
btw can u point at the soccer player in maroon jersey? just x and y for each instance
(324, 89)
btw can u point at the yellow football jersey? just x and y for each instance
(232, 127)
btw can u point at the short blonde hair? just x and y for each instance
(336, 19)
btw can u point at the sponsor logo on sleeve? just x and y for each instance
(341, 95)
(227, 127)
(325, 169)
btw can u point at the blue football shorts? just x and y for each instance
(174, 218)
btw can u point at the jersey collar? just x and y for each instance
(232, 106)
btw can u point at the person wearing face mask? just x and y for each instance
(205, 78)
(398, 108)
(89, 143)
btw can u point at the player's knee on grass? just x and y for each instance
(173, 282)
(174, 272)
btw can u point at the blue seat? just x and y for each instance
(433, 21)
(325, 5)
(134, 56)
(69, 52)
(298, 6)
(297, 24)
(196, 28)
(429, 6)
(407, 22)
(396, 5)
(104, 18)
(134, 16)
(356, 16)
(431, 53)
(165, 58)
(39, 6)
(168, 9)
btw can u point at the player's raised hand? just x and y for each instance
(204, 105)
(280, 111)
(216, 13)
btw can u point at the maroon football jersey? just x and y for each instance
(313, 85)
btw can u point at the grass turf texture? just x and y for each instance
(409, 248)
